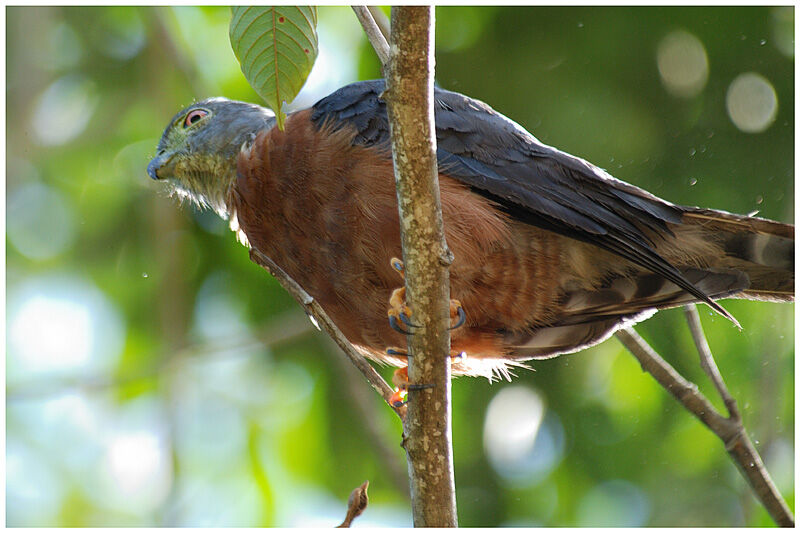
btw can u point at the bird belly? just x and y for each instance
(326, 212)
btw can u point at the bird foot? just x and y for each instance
(401, 382)
(400, 312)
(457, 314)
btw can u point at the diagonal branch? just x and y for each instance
(740, 448)
(380, 19)
(707, 362)
(374, 33)
(322, 320)
(684, 391)
(369, 413)
(729, 429)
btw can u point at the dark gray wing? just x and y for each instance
(533, 182)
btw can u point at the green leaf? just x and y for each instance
(276, 47)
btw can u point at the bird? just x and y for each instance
(551, 253)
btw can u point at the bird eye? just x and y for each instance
(194, 116)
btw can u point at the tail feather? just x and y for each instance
(760, 248)
(648, 291)
(544, 343)
(721, 254)
(589, 316)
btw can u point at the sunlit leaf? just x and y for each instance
(276, 47)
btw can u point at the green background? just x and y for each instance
(154, 376)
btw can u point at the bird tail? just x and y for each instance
(761, 249)
(721, 254)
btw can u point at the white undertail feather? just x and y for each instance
(493, 369)
(233, 223)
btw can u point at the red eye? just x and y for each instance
(194, 116)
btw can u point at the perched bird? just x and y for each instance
(552, 254)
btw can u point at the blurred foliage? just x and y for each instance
(157, 377)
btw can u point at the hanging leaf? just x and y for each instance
(276, 47)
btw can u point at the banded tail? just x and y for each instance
(761, 249)
(722, 254)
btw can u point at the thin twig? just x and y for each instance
(741, 448)
(381, 20)
(374, 34)
(356, 504)
(321, 318)
(730, 431)
(684, 391)
(707, 362)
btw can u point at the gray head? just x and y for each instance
(197, 152)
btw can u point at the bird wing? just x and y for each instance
(532, 182)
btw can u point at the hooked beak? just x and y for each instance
(161, 166)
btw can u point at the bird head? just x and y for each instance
(197, 153)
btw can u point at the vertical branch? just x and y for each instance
(409, 100)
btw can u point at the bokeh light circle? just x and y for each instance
(64, 109)
(40, 221)
(682, 64)
(522, 441)
(752, 102)
(61, 324)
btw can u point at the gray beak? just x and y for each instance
(159, 163)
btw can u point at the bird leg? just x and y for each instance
(400, 381)
(400, 312)
(400, 378)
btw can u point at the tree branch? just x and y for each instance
(729, 429)
(741, 448)
(381, 20)
(707, 362)
(322, 320)
(356, 504)
(374, 33)
(427, 427)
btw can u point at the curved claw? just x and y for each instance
(397, 265)
(396, 326)
(407, 321)
(462, 317)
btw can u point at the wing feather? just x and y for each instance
(531, 181)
